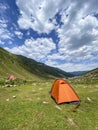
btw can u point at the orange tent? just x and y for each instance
(62, 92)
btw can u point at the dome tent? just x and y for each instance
(11, 77)
(62, 92)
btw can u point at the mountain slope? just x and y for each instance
(25, 68)
(78, 73)
(91, 77)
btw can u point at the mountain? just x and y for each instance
(78, 73)
(92, 74)
(26, 68)
(87, 78)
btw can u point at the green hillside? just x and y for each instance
(88, 78)
(92, 73)
(25, 68)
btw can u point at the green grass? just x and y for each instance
(34, 109)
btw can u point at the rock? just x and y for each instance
(44, 102)
(7, 99)
(14, 96)
(58, 108)
(89, 99)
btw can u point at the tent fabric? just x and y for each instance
(11, 77)
(62, 92)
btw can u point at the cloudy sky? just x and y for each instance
(59, 33)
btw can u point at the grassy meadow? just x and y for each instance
(30, 107)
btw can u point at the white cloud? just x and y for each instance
(78, 34)
(37, 49)
(37, 14)
(4, 32)
(19, 34)
(3, 7)
(70, 67)
(1, 42)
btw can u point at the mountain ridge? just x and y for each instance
(26, 68)
(78, 73)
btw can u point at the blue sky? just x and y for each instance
(59, 33)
